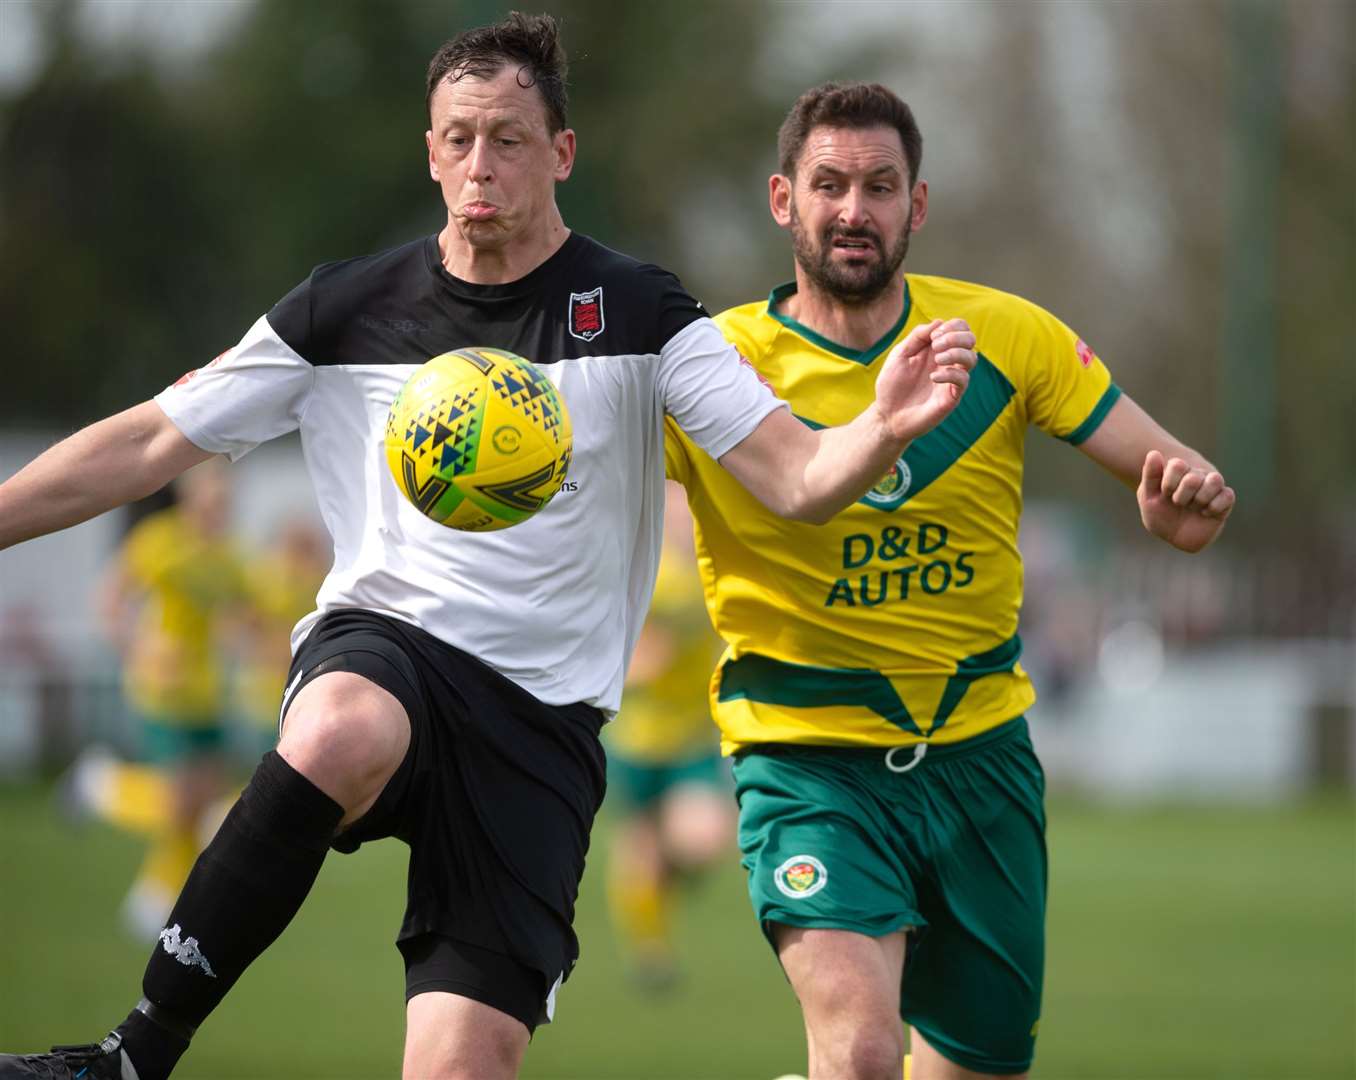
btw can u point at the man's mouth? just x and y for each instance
(854, 243)
(479, 211)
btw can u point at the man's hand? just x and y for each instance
(1185, 506)
(924, 377)
(811, 475)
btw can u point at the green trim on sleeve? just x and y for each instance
(1084, 430)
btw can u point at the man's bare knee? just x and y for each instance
(848, 986)
(347, 736)
(450, 1037)
(871, 1053)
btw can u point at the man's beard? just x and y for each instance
(851, 285)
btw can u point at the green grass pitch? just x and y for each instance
(1185, 943)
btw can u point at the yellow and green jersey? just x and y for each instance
(896, 622)
(665, 718)
(173, 668)
(280, 592)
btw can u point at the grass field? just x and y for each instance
(1185, 943)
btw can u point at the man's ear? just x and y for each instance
(918, 205)
(779, 196)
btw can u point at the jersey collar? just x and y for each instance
(863, 357)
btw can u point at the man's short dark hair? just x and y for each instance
(848, 105)
(530, 41)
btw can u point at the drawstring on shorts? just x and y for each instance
(919, 749)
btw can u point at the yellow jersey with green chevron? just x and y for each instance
(895, 623)
(173, 670)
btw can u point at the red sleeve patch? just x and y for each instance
(1085, 354)
(188, 375)
(745, 361)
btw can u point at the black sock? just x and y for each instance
(157, 1049)
(242, 893)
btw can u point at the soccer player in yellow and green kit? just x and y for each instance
(665, 776)
(891, 807)
(177, 574)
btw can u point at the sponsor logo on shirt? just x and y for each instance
(1085, 354)
(400, 326)
(893, 564)
(586, 314)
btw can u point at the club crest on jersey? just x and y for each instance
(586, 314)
(889, 492)
(801, 876)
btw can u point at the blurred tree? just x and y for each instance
(1078, 155)
(148, 215)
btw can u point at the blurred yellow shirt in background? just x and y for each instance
(174, 670)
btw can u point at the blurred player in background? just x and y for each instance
(281, 585)
(176, 577)
(664, 769)
(891, 806)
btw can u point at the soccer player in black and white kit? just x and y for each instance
(450, 687)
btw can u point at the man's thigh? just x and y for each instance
(448, 1035)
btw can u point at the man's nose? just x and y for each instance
(480, 167)
(852, 209)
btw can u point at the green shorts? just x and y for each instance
(636, 784)
(953, 849)
(169, 743)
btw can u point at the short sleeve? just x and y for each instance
(249, 394)
(673, 309)
(1068, 389)
(712, 394)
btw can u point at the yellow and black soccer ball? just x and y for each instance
(478, 439)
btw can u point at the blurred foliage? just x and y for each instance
(1086, 156)
(149, 217)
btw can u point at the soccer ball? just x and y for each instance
(478, 439)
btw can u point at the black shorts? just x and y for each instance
(495, 798)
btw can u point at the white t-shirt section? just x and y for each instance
(554, 603)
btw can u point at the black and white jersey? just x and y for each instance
(554, 603)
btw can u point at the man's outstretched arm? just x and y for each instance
(811, 475)
(111, 462)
